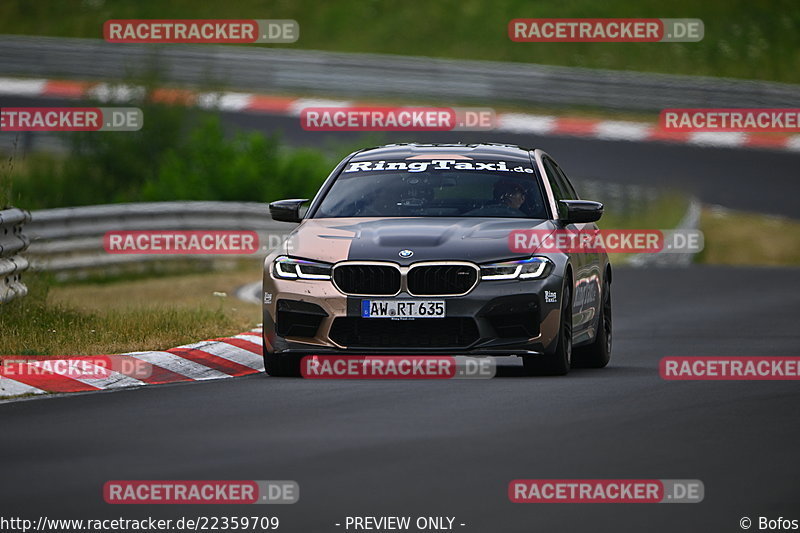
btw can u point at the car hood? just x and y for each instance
(430, 239)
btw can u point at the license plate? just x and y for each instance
(402, 309)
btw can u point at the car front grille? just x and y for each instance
(438, 279)
(451, 332)
(367, 279)
(441, 280)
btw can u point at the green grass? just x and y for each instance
(747, 239)
(663, 213)
(743, 38)
(8, 162)
(140, 314)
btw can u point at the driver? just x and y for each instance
(509, 193)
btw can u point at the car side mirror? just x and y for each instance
(287, 210)
(580, 211)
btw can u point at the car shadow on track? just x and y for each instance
(514, 369)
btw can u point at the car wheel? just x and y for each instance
(598, 354)
(558, 362)
(281, 366)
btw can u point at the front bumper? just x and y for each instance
(497, 318)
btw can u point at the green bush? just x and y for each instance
(180, 154)
(209, 167)
(302, 172)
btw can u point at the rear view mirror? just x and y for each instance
(287, 210)
(581, 211)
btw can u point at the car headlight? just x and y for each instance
(290, 268)
(533, 268)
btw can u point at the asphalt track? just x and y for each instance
(746, 179)
(451, 447)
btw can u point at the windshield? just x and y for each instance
(362, 191)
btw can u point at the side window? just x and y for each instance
(556, 184)
(567, 186)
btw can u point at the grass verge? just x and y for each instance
(748, 239)
(141, 314)
(663, 213)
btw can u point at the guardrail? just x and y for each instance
(69, 241)
(12, 243)
(690, 221)
(370, 75)
(629, 198)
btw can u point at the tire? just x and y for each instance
(598, 354)
(558, 362)
(280, 366)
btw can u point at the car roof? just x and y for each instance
(485, 151)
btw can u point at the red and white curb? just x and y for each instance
(616, 130)
(227, 357)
